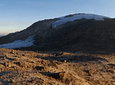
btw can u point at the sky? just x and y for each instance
(16, 15)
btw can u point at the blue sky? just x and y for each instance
(16, 15)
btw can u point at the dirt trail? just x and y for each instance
(55, 68)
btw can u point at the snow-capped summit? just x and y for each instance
(63, 20)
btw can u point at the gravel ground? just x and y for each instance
(55, 68)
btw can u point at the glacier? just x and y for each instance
(63, 20)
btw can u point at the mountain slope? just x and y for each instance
(78, 32)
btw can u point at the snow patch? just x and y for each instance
(63, 20)
(19, 43)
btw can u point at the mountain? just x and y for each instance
(75, 32)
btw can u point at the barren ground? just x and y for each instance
(55, 68)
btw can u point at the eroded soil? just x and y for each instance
(55, 68)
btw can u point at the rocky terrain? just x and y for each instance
(55, 68)
(76, 49)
